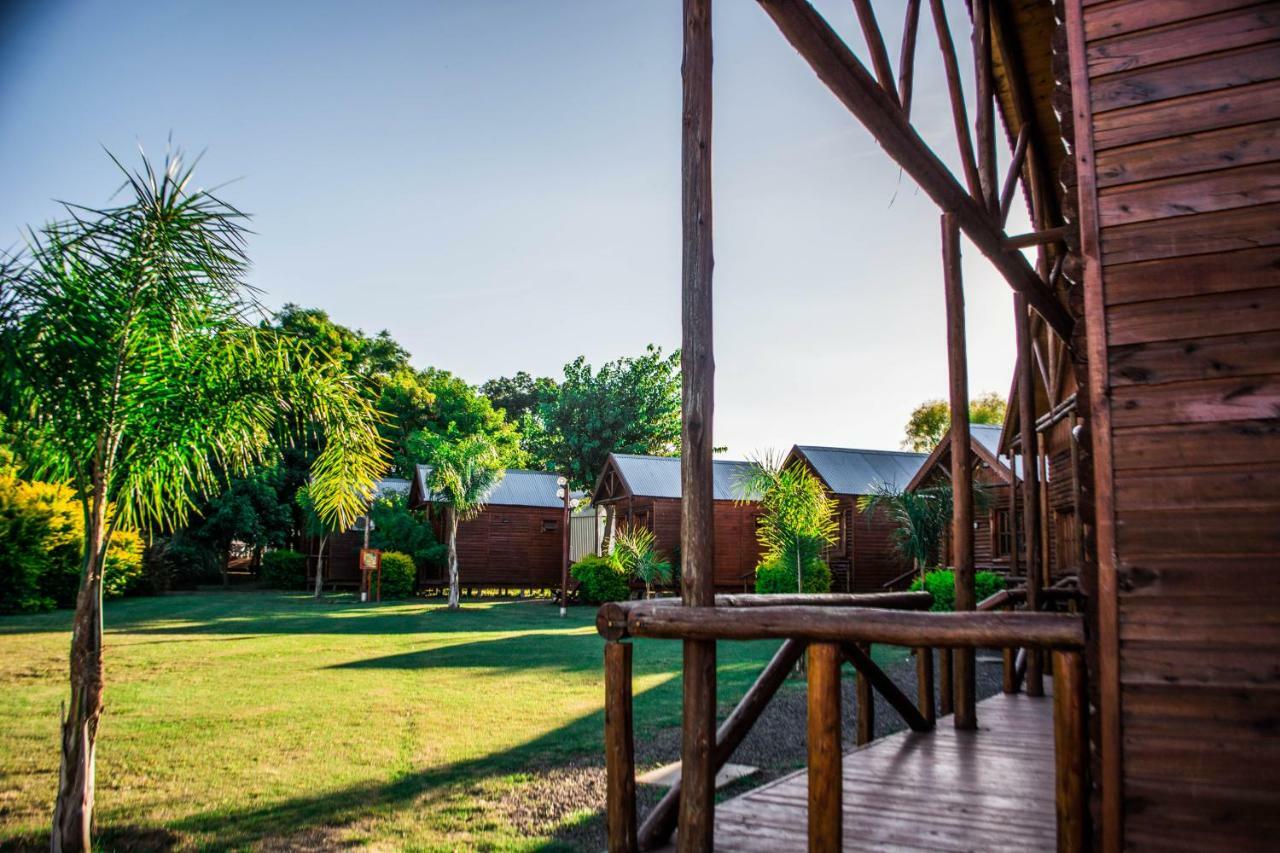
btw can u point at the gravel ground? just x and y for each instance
(566, 801)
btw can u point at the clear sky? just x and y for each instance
(498, 185)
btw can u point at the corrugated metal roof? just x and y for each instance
(391, 486)
(516, 488)
(989, 436)
(659, 476)
(850, 471)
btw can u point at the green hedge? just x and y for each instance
(602, 579)
(941, 584)
(284, 569)
(776, 576)
(399, 575)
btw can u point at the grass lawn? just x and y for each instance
(239, 719)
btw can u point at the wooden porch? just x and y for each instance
(948, 789)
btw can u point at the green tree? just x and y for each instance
(459, 411)
(633, 550)
(631, 405)
(134, 365)
(931, 419)
(920, 518)
(463, 473)
(249, 510)
(797, 517)
(519, 395)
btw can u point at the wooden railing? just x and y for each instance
(833, 630)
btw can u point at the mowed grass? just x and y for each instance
(239, 719)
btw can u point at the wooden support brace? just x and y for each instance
(1037, 238)
(877, 679)
(875, 44)
(619, 745)
(907, 56)
(985, 103)
(826, 801)
(1015, 171)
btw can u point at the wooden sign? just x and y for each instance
(370, 560)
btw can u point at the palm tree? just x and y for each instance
(920, 518)
(463, 473)
(633, 549)
(136, 367)
(798, 517)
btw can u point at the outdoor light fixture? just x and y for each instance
(562, 492)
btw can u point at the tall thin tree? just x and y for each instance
(137, 362)
(463, 474)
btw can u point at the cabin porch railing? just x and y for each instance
(832, 630)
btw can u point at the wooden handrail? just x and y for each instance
(850, 625)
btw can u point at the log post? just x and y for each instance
(697, 795)
(1009, 671)
(826, 808)
(866, 699)
(1071, 750)
(907, 56)
(1030, 477)
(961, 467)
(955, 90)
(945, 694)
(984, 108)
(878, 681)
(619, 749)
(924, 684)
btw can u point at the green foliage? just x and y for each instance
(631, 405)
(920, 518)
(284, 569)
(399, 575)
(459, 412)
(633, 551)
(519, 395)
(249, 510)
(941, 584)
(463, 473)
(370, 358)
(778, 574)
(931, 419)
(398, 528)
(602, 579)
(182, 562)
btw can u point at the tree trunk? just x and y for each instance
(73, 810)
(320, 567)
(226, 567)
(606, 541)
(454, 594)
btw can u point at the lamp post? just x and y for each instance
(562, 492)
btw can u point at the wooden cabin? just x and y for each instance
(996, 537)
(645, 490)
(340, 561)
(864, 557)
(517, 540)
(1142, 138)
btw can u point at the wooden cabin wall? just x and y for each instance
(509, 546)
(876, 560)
(341, 558)
(1180, 214)
(737, 552)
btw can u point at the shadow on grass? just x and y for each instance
(554, 652)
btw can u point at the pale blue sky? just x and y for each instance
(498, 185)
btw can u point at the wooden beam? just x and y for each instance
(907, 56)
(826, 801)
(946, 692)
(961, 475)
(1030, 476)
(1071, 751)
(1037, 238)
(841, 71)
(661, 822)
(619, 749)
(875, 44)
(866, 699)
(984, 110)
(877, 679)
(697, 796)
(955, 91)
(1015, 171)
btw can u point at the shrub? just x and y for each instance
(400, 529)
(634, 552)
(602, 579)
(941, 584)
(123, 573)
(778, 576)
(24, 556)
(399, 575)
(284, 569)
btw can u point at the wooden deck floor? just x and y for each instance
(990, 789)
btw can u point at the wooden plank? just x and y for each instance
(1234, 28)
(1200, 74)
(1030, 439)
(1130, 16)
(826, 807)
(1216, 486)
(1252, 397)
(1225, 189)
(1208, 532)
(619, 746)
(1231, 442)
(1220, 231)
(1190, 154)
(1206, 358)
(1193, 318)
(1196, 113)
(1167, 278)
(1178, 665)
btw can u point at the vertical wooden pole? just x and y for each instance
(907, 56)
(1030, 477)
(619, 749)
(826, 807)
(945, 693)
(1071, 750)
(959, 116)
(866, 706)
(697, 792)
(1009, 670)
(564, 552)
(924, 684)
(984, 108)
(961, 467)
(1014, 568)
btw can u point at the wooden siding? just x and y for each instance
(1185, 140)
(507, 546)
(737, 553)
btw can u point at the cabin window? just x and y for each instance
(1003, 533)
(550, 525)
